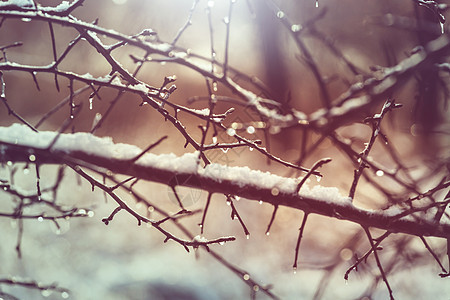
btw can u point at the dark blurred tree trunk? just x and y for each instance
(427, 112)
(275, 73)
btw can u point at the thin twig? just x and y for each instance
(299, 239)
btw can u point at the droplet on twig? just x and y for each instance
(379, 173)
(231, 131)
(296, 28)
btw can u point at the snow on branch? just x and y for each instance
(18, 143)
(236, 111)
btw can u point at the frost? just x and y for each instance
(87, 76)
(141, 87)
(80, 141)
(62, 7)
(117, 81)
(203, 112)
(95, 37)
(328, 194)
(20, 3)
(199, 239)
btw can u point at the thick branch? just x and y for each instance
(17, 144)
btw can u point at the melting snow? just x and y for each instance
(187, 163)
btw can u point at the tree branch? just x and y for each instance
(213, 178)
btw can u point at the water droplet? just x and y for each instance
(236, 125)
(26, 19)
(246, 277)
(250, 148)
(231, 132)
(90, 214)
(318, 178)
(248, 236)
(32, 158)
(151, 209)
(226, 20)
(214, 139)
(267, 233)
(224, 150)
(211, 3)
(260, 202)
(221, 243)
(9, 163)
(296, 28)
(251, 130)
(294, 270)
(256, 288)
(280, 14)
(274, 191)
(214, 86)
(237, 198)
(26, 171)
(82, 211)
(317, 3)
(228, 202)
(379, 173)
(46, 293)
(90, 103)
(346, 254)
(64, 295)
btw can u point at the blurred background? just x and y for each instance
(124, 261)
